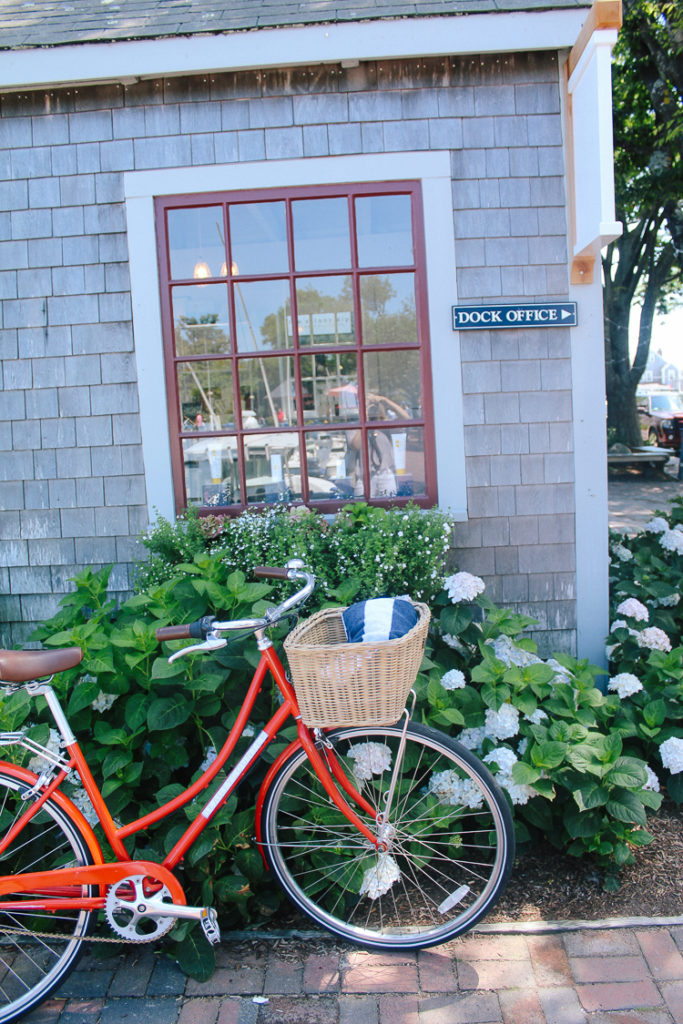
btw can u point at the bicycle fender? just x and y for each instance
(69, 808)
(270, 775)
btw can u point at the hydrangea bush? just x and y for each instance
(645, 645)
(581, 767)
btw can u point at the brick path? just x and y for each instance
(622, 975)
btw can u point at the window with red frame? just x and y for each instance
(296, 347)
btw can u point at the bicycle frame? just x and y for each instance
(60, 880)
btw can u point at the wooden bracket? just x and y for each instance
(583, 268)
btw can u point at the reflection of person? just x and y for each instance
(380, 449)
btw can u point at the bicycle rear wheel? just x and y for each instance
(33, 966)
(449, 839)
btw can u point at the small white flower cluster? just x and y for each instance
(622, 553)
(453, 680)
(503, 723)
(103, 701)
(671, 753)
(652, 780)
(450, 788)
(656, 525)
(209, 759)
(672, 540)
(507, 651)
(379, 879)
(474, 738)
(38, 763)
(667, 602)
(654, 639)
(370, 759)
(463, 586)
(454, 642)
(625, 684)
(536, 717)
(505, 760)
(80, 798)
(634, 609)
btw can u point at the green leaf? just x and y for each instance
(168, 712)
(591, 795)
(626, 806)
(627, 772)
(115, 761)
(654, 713)
(582, 824)
(525, 774)
(195, 956)
(83, 695)
(674, 787)
(548, 755)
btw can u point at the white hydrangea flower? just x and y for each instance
(522, 745)
(507, 651)
(562, 674)
(103, 701)
(449, 788)
(536, 717)
(656, 525)
(379, 879)
(654, 638)
(634, 609)
(652, 780)
(671, 753)
(622, 553)
(463, 586)
(503, 757)
(454, 642)
(80, 798)
(370, 759)
(472, 738)
(503, 723)
(39, 763)
(618, 624)
(625, 684)
(672, 540)
(453, 680)
(209, 759)
(669, 602)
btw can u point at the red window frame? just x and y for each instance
(165, 204)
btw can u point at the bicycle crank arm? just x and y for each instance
(207, 917)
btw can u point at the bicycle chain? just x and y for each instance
(68, 935)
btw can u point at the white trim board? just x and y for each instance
(388, 39)
(433, 169)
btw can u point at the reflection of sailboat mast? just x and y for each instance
(205, 398)
(260, 360)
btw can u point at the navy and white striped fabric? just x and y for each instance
(381, 618)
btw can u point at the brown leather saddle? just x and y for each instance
(23, 666)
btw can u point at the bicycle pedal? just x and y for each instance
(209, 922)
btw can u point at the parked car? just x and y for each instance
(661, 418)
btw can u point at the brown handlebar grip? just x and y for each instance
(174, 632)
(270, 572)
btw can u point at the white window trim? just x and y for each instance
(432, 169)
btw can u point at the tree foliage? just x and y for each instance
(644, 265)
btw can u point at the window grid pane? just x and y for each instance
(321, 426)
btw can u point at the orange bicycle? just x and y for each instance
(393, 837)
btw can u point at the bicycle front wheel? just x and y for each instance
(448, 839)
(38, 949)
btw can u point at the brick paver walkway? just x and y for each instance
(604, 975)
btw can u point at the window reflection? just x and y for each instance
(196, 242)
(388, 309)
(325, 310)
(211, 474)
(321, 234)
(273, 467)
(205, 393)
(384, 231)
(396, 462)
(392, 386)
(200, 319)
(258, 238)
(262, 311)
(329, 385)
(268, 392)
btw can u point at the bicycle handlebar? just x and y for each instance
(207, 626)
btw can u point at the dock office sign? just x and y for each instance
(531, 314)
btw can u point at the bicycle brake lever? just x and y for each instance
(212, 643)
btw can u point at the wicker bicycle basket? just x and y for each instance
(338, 683)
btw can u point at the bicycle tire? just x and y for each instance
(450, 861)
(31, 968)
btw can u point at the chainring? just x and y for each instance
(128, 912)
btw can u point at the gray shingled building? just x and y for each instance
(231, 239)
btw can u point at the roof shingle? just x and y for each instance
(39, 23)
